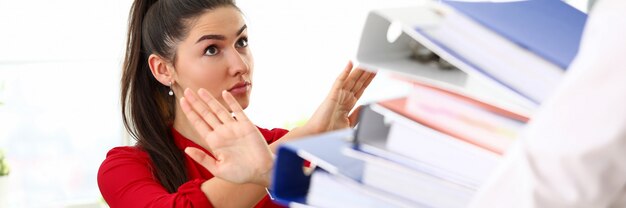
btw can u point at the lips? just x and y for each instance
(239, 85)
(239, 88)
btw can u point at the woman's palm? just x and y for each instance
(334, 112)
(240, 153)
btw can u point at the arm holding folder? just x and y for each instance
(574, 150)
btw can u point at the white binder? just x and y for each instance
(377, 52)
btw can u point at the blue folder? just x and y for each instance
(550, 28)
(291, 184)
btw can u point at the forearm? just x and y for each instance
(222, 193)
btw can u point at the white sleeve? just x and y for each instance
(573, 151)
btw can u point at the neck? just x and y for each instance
(184, 127)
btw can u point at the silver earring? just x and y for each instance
(171, 92)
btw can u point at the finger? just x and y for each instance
(217, 108)
(360, 91)
(361, 81)
(355, 75)
(339, 82)
(354, 116)
(234, 106)
(198, 123)
(203, 159)
(201, 109)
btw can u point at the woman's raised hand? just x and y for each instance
(241, 155)
(334, 112)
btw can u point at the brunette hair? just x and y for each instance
(156, 27)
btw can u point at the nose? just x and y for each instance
(238, 63)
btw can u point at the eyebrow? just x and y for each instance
(220, 37)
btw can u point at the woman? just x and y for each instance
(201, 46)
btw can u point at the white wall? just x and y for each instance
(60, 66)
(300, 47)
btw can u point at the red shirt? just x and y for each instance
(125, 178)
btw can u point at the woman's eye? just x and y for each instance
(242, 43)
(211, 51)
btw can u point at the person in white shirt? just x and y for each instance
(573, 151)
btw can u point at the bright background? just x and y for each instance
(60, 63)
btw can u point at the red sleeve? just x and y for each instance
(272, 135)
(125, 180)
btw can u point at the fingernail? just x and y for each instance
(189, 95)
(204, 92)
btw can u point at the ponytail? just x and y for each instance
(147, 113)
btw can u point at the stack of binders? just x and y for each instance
(478, 70)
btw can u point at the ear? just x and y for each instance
(161, 69)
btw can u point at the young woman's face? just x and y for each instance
(215, 56)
